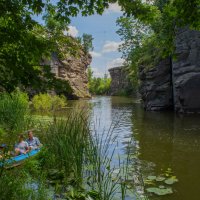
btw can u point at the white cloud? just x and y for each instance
(96, 72)
(115, 63)
(111, 46)
(72, 31)
(113, 7)
(95, 54)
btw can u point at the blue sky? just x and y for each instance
(106, 41)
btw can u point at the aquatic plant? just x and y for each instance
(77, 159)
(65, 140)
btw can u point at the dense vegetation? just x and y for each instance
(149, 36)
(75, 162)
(24, 42)
(98, 86)
(84, 169)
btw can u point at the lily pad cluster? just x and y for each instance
(160, 184)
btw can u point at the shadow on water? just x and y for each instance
(171, 141)
(162, 140)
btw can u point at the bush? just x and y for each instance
(46, 102)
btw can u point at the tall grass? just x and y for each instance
(14, 114)
(81, 154)
(86, 157)
(66, 140)
(106, 177)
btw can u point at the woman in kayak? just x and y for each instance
(21, 147)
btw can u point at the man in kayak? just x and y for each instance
(33, 142)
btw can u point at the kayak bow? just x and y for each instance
(19, 158)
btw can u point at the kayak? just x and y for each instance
(19, 158)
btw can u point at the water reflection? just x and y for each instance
(159, 141)
(170, 141)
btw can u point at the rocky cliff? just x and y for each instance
(186, 71)
(74, 70)
(155, 88)
(175, 84)
(119, 81)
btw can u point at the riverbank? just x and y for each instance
(75, 162)
(157, 145)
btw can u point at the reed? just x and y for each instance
(83, 156)
(66, 140)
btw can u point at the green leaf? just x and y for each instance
(151, 177)
(160, 178)
(160, 191)
(171, 180)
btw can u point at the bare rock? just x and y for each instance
(73, 70)
(119, 80)
(156, 88)
(186, 71)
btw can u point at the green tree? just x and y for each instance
(87, 42)
(23, 41)
(97, 85)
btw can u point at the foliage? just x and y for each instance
(67, 138)
(14, 111)
(134, 35)
(161, 183)
(24, 42)
(149, 28)
(87, 42)
(83, 168)
(23, 187)
(47, 102)
(98, 86)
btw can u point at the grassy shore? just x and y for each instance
(76, 162)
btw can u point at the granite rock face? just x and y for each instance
(119, 81)
(74, 70)
(175, 84)
(186, 71)
(156, 88)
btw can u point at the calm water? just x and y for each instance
(161, 140)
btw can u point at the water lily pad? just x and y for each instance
(149, 182)
(161, 186)
(160, 191)
(151, 177)
(160, 178)
(171, 180)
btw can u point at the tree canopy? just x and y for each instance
(149, 37)
(23, 42)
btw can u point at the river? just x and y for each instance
(163, 142)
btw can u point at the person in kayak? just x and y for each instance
(22, 146)
(33, 142)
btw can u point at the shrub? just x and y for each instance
(46, 102)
